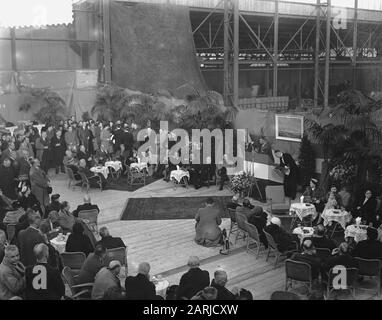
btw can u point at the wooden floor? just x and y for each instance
(167, 244)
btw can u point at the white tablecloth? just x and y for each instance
(301, 234)
(303, 210)
(140, 166)
(60, 243)
(179, 174)
(116, 165)
(358, 233)
(103, 170)
(342, 217)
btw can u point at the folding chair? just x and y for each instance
(135, 177)
(241, 229)
(253, 235)
(85, 181)
(91, 217)
(297, 271)
(272, 246)
(78, 291)
(233, 226)
(73, 260)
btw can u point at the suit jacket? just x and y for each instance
(323, 242)
(139, 288)
(368, 249)
(287, 160)
(192, 282)
(223, 292)
(368, 209)
(110, 242)
(39, 185)
(85, 206)
(27, 239)
(312, 260)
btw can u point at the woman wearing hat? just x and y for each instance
(313, 194)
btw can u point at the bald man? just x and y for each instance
(87, 205)
(193, 281)
(219, 282)
(42, 281)
(140, 287)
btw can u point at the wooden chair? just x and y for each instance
(78, 291)
(11, 230)
(135, 177)
(241, 228)
(253, 234)
(272, 246)
(351, 277)
(118, 254)
(85, 181)
(72, 180)
(297, 271)
(91, 217)
(284, 295)
(233, 226)
(73, 260)
(276, 199)
(370, 268)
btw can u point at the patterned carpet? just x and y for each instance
(169, 207)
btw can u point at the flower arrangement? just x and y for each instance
(343, 174)
(241, 182)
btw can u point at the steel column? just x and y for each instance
(236, 53)
(355, 38)
(106, 39)
(275, 47)
(327, 54)
(316, 54)
(13, 49)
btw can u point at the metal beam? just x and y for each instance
(327, 53)
(316, 54)
(355, 39)
(208, 16)
(275, 48)
(106, 39)
(236, 53)
(13, 49)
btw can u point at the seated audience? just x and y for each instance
(54, 205)
(85, 206)
(259, 219)
(29, 200)
(346, 198)
(106, 279)
(314, 195)
(320, 240)
(93, 263)
(13, 216)
(233, 204)
(86, 171)
(219, 281)
(65, 218)
(53, 288)
(337, 204)
(78, 241)
(208, 220)
(140, 287)
(284, 240)
(366, 209)
(194, 280)
(244, 294)
(12, 274)
(108, 241)
(208, 293)
(370, 248)
(341, 257)
(246, 209)
(309, 256)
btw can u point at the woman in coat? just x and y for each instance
(78, 241)
(208, 219)
(39, 183)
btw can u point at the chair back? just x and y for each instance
(270, 240)
(368, 267)
(284, 295)
(70, 173)
(241, 219)
(252, 231)
(90, 215)
(67, 276)
(117, 254)
(73, 260)
(299, 271)
(11, 230)
(323, 253)
(276, 193)
(232, 214)
(351, 277)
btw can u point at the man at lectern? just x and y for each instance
(289, 168)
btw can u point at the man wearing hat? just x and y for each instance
(54, 205)
(105, 279)
(314, 195)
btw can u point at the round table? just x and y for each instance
(342, 217)
(302, 210)
(303, 232)
(358, 233)
(59, 242)
(101, 169)
(116, 165)
(138, 165)
(178, 175)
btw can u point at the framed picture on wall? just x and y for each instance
(289, 127)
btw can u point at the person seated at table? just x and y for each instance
(207, 228)
(54, 205)
(320, 240)
(310, 257)
(84, 169)
(94, 262)
(28, 200)
(78, 241)
(168, 168)
(284, 240)
(108, 241)
(71, 162)
(259, 219)
(331, 203)
(346, 198)
(102, 155)
(106, 279)
(85, 206)
(82, 154)
(340, 256)
(366, 208)
(246, 209)
(140, 287)
(333, 190)
(370, 248)
(234, 203)
(314, 195)
(65, 218)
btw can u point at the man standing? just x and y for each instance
(7, 179)
(39, 183)
(42, 150)
(42, 281)
(57, 145)
(290, 169)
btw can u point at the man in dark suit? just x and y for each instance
(309, 256)
(284, 240)
(219, 282)
(370, 248)
(193, 280)
(366, 208)
(140, 287)
(54, 205)
(320, 240)
(290, 169)
(54, 288)
(342, 258)
(86, 206)
(108, 241)
(28, 238)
